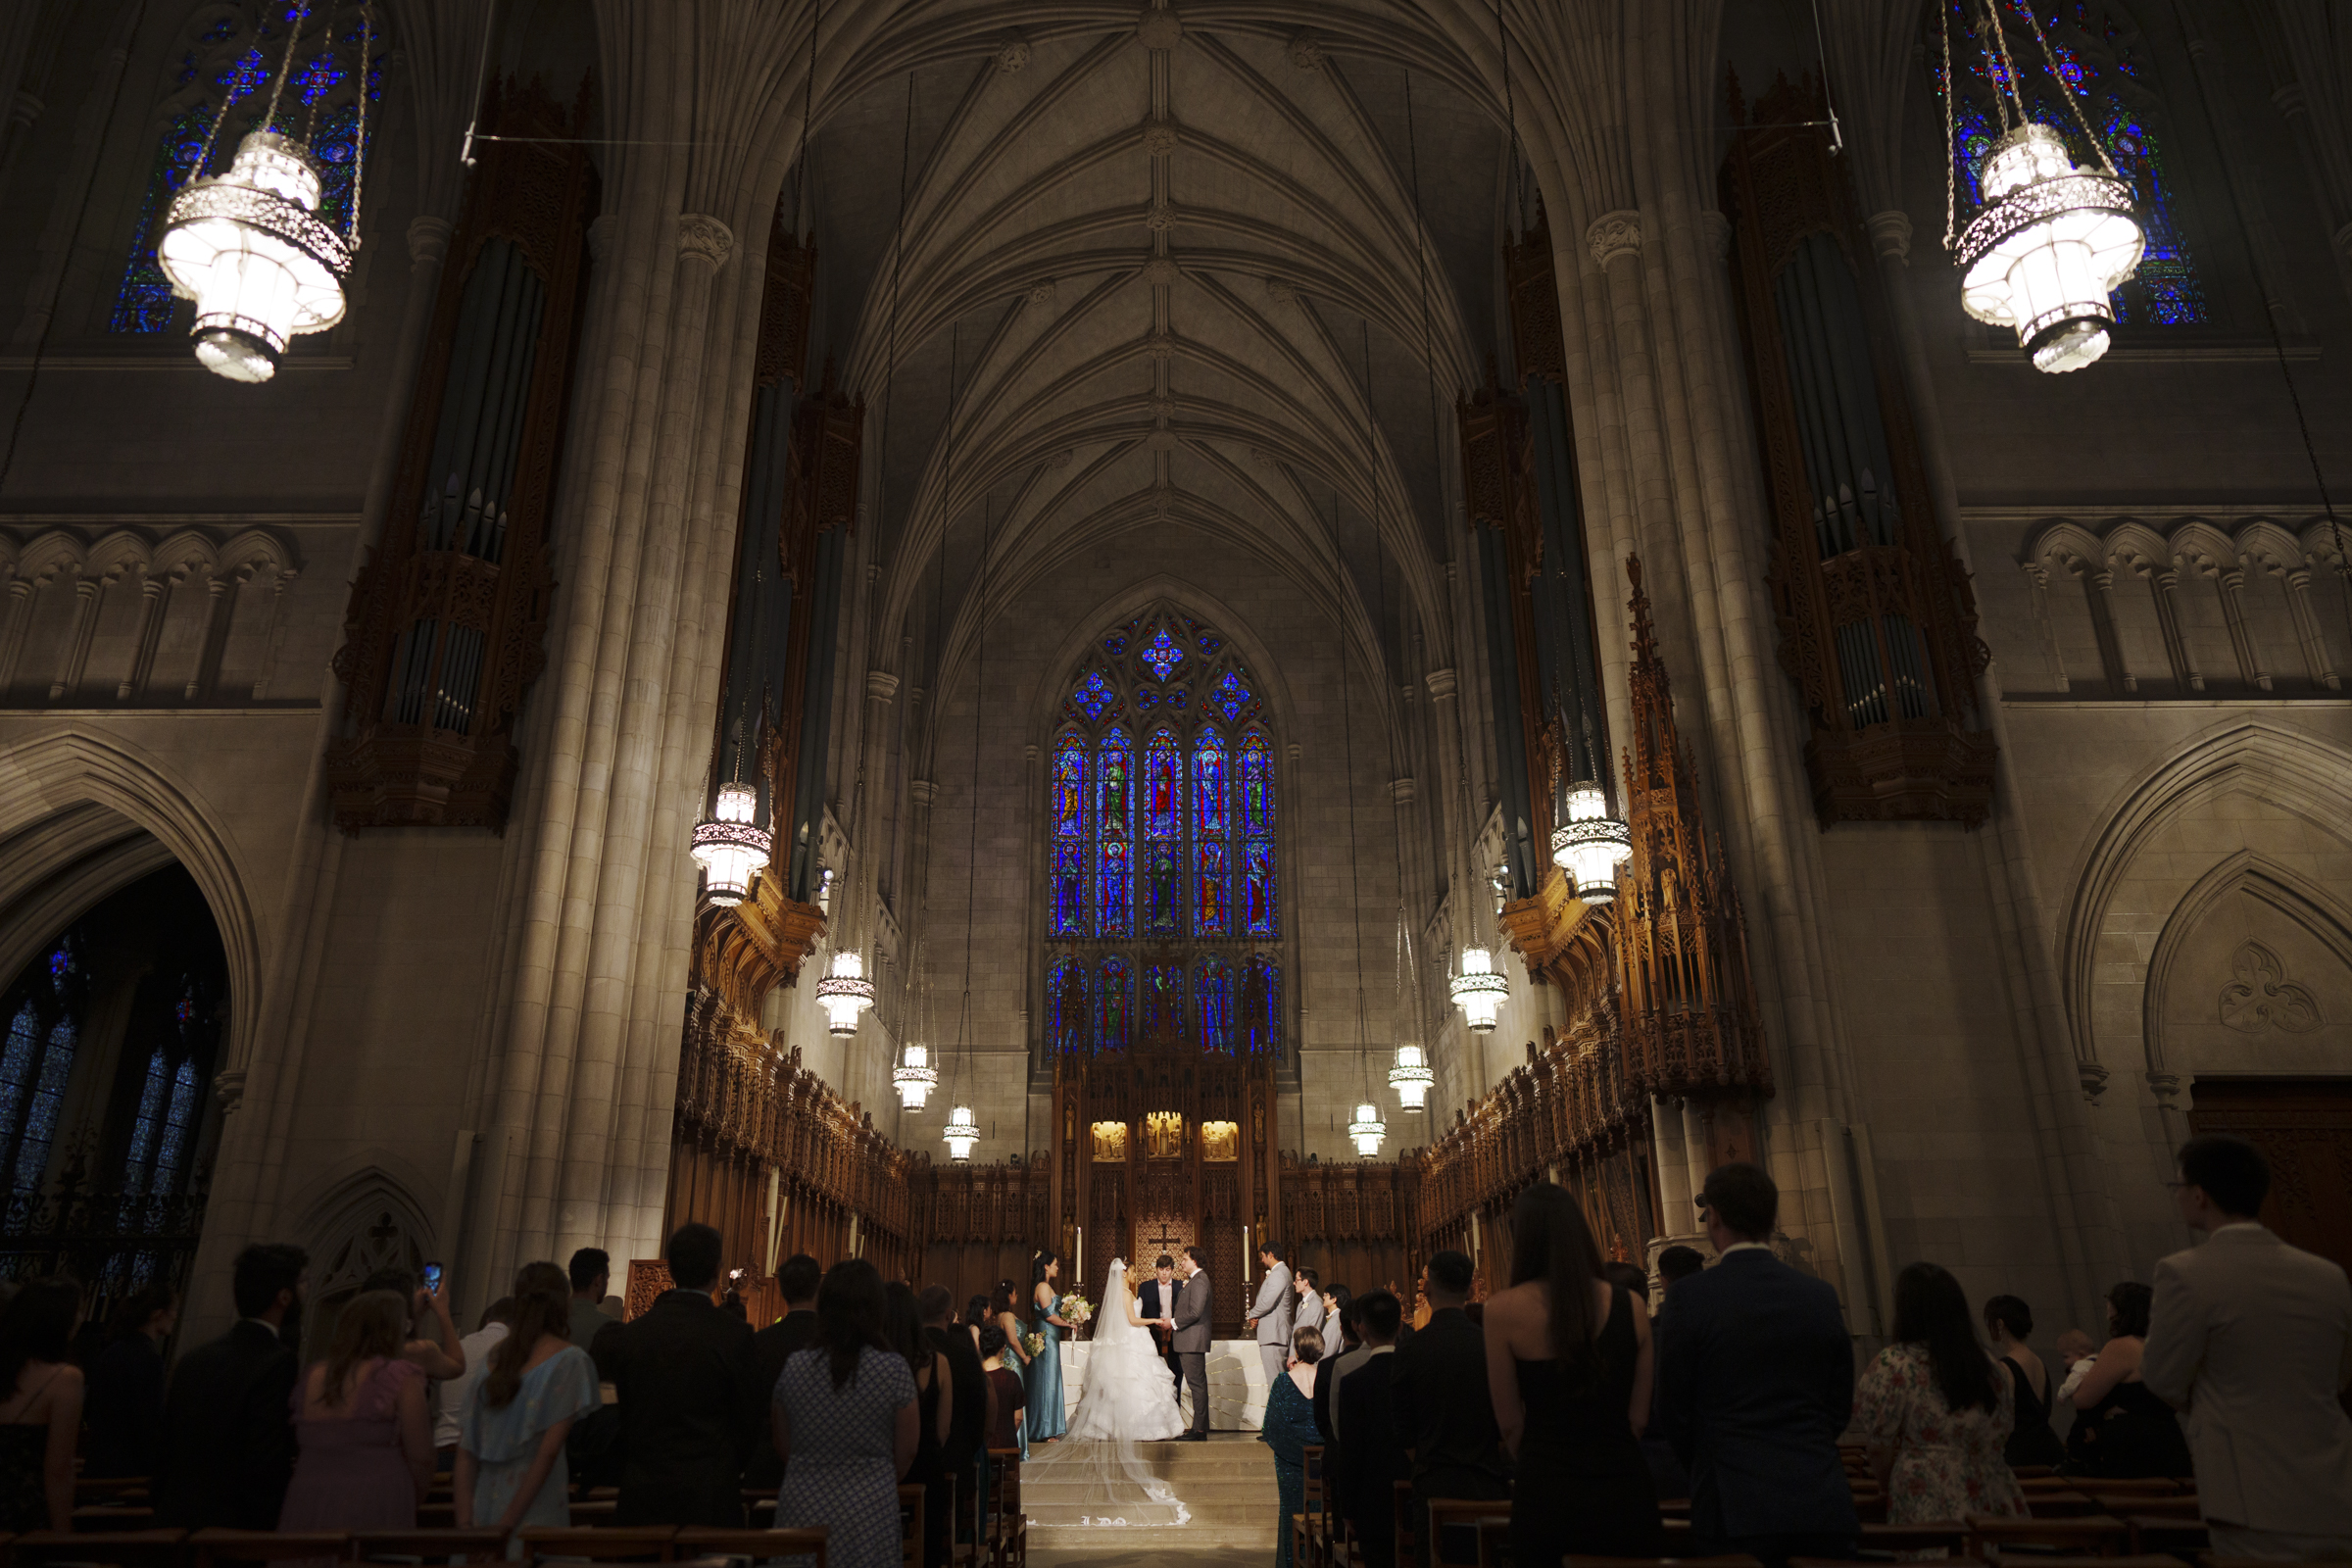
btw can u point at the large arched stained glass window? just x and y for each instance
(1162, 903)
(36, 1062)
(2106, 65)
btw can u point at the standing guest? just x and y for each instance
(429, 1338)
(228, 1432)
(1444, 1416)
(1047, 1420)
(1666, 1472)
(1008, 1320)
(2008, 1323)
(1935, 1412)
(2122, 1430)
(1289, 1429)
(452, 1400)
(846, 1419)
(771, 1348)
(1568, 1367)
(1005, 1392)
(1155, 1304)
(510, 1470)
(689, 1387)
(591, 1275)
(962, 1450)
(1309, 1314)
(124, 1402)
(1364, 1413)
(2077, 1353)
(935, 1398)
(40, 1418)
(365, 1442)
(976, 1315)
(1271, 1313)
(2253, 1338)
(1342, 1314)
(1759, 1380)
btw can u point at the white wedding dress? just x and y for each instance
(1127, 1398)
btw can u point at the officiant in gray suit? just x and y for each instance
(1194, 1322)
(1272, 1312)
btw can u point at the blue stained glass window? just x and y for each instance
(17, 1065)
(1068, 874)
(144, 1127)
(1212, 870)
(1163, 836)
(42, 1107)
(1161, 652)
(1231, 696)
(1114, 1018)
(35, 1067)
(1066, 1004)
(177, 1124)
(1178, 698)
(1255, 812)
(1095, 696)
(1114, 829)
(1213, 989)
(1261, 1006)
(1145, 700)
(1163, 1001)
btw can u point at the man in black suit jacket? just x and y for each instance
(690, 1407)
(228, 1428)
(1760, 1381)
(1437, 1385)
(1366, 1422)
(771, 1348)
(1154, 1303)
(975, 1399)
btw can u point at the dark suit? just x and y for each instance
(1151, 1304)
(1760, 1381)
(771, 1348)
(1366, 1421)
(1445, 1415)
(229, 1433)
(688, 1379)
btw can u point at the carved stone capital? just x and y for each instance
(428, 240)
(2094, 1078)
(922, 791)
(1441, 683)
(1718, 229)
(1615, 235)
(881, 685)
(601, 230)
(705, 239)
(2166, 1087)
(229, 1090)
(1403, 791)
(1890, 233)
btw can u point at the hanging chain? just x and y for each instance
(285, 68)
(807, 201)
(2007, 75)
(2049, 58)
(310, 126)
(1951, 134)
(359, 148)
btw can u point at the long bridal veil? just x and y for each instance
(1128, 1396)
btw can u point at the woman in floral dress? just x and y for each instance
(1936, 1410)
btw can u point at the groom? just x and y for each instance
(1192, 1325)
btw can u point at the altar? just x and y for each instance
(1237, 1384)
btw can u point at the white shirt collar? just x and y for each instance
(1744, 1247)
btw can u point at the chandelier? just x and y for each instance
(2052, 240)
(914, 1078)
(1367, 1130)
(1479, 990)
(1591, 845)
(962, 1132)
(1411, 1077)
(844, 993)
(729, 846)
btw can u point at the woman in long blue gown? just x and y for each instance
(1047, 1420)
(1289, 1429)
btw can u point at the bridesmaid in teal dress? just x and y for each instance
(1047, 1420)
(1289, 1429)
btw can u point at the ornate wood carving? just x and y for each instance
(1536, 343)
(1868, 761)
(783, 349)
(828, 432)
(1499, 475)
(452, 763)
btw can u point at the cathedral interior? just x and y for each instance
(1491, 590)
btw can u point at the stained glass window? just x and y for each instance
(1161, 828)
(1066, 1004)
(35, 1067)
(144, 1126)
(2105, 61)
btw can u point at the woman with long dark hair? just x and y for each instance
(1568, 1367)
(2122, 1430)
(844, 1418)
(1047, 1421)
(510, 1467)
(1004, 1311)
(935, 1395)
(366, 1444)
(2009, 1324)
(40, 1414)
(1936, 1410)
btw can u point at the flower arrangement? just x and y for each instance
(1076, 1310)
(1034, 1343)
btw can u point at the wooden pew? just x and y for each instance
(759, 1545)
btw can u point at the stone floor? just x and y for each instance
(1151, 1503)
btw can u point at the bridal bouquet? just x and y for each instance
(1034, 1343)
(1077, 1310)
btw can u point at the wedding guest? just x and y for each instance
(123, 1402)
(846, 1419)
(509, 1469)
(1760, 1381)
(1309, 1312)
(1666, 1472)
(429, 1338)
(1005, 1392)
(2122, 1430)
(2008, 1322)
(1008, 1320)
(1444, 1414)
(2253, 1338)
(2077, 1353)
(40, 1417)
(1935, 1412)
(1568, 1368)
(935, 1398)
(1326, 1370)
(228, 1428)
(365, 1445)
(962, 1453)
(797, 1281)
(1289, 1429)
(452, 1400)
(1364, 1414)
(976, 1313)
(591, 1275)
(1048, 1418)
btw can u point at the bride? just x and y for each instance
(1127, 1397)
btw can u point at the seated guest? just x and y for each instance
(689, 1388)
(1760, 1381)
(1444, 1417)
(510, 1470)
(2122, 1430)
(430, 1340)
(124, 1400)
(1004, 1386)
(452, 1400)
(1568, 1368)
(846, 1420)
(228, 1427)
(1935, 1412)
(40, 1415)
(2253, 1338)
(1289, 1429)
(2008, 1322)
(365, 1445)
(1364, 1414)
(771, 1348)
(2078, 1354)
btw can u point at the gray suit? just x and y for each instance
(1193, 1305)
(2251, 1338)
(1275, 1302)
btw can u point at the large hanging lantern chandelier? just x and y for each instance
(1479, 990)
(1411, 1077)
(1591, 845)
(730, 845)
(2053, 240)
(1367, 1130)
(844, 993)
(962, 1132)
(914, 1078)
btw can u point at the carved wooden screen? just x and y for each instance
(445, 627)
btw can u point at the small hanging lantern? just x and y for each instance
(962, 1132)
(914, 1078)
(1367, 1130)
(1591, 845)
(1479, 990)
(844, 993)
(729, 846)
(1411, 1077)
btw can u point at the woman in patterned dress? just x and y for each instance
(850, 1400)
(1935, 1410)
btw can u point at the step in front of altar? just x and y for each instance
(1237, 1384)
(1129, 1497)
